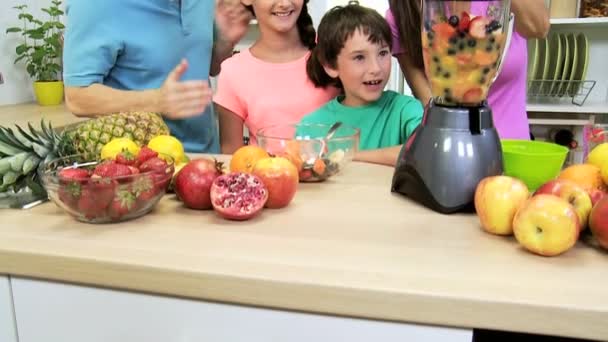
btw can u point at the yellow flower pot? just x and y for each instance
(49, 93)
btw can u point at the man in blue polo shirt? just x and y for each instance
(151, 55)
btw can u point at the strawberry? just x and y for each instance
(72, 174)
(134, 170)
(111, 169)
(154, 164)
(125, 158)
(477, 27)
(102, 190)
(465, 21)
(144, 154)
(144, 188)
(88, 206)
(122, 204)
(69, 194)
(472, 95)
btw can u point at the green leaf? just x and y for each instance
(13, 29)
(36, 35)
(29, 17)
(21, 49)
(31, 70)
(20, 58)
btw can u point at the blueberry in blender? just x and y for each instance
(453, 20)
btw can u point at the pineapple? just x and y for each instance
(22, 151)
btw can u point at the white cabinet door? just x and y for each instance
(52, 312)
(8, 330)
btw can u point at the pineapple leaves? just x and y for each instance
(29, 137)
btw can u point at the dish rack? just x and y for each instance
(578, 91)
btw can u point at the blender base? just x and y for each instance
(445, 158)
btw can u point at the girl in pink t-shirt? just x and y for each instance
(267, 84)
(507, 95)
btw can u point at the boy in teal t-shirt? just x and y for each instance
(353, 53)
(387, 122)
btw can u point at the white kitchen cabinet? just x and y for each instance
(8, 331)
(50, 312)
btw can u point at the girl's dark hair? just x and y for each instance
(407, 14)
(306, 29)
(335, 28)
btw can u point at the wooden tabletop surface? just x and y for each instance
(346, 247)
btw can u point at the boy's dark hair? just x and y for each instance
(335, 28)
(306, 29)
(407, 14)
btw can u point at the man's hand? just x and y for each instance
(232, 20)
(183, 99)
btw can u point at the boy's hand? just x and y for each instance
(183, 99)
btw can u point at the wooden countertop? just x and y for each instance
(21, 114)
(345, 247)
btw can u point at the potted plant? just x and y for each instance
(41, 51)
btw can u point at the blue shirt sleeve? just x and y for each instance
(91, 45)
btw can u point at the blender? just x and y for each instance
(456, 144)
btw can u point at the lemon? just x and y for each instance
(599, 155)
(117, 145)
(169, 145)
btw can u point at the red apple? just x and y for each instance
(497, 199)
(598, 222)
(571, 192)
(546, 225)
(596, 195)
(280, 177)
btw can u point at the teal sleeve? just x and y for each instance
(91, 44)
(411, 117)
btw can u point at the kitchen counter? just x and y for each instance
(346, 247)
(21, 114)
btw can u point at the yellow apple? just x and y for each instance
(571, 192)
(546, 225)
(497, 199)
(598, 155)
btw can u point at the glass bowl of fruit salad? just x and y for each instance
(305, 145)
(109, 190)
(463, 43)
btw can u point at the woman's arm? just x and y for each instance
(384, 156)
(175, 99)
(415, 78)
(531, 18)
(231, 130)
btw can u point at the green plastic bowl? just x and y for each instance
(534, 162)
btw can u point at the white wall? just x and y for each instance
(17, 87)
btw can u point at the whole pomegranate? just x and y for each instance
(238, 195)
(193, 182)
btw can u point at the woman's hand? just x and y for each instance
(531, 18)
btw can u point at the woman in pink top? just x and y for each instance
(267, 84)
(507, 96)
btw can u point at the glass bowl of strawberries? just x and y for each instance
(108, 191)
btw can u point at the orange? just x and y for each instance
(587, 176)
(245, 158)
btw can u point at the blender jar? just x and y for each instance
(463, 42)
